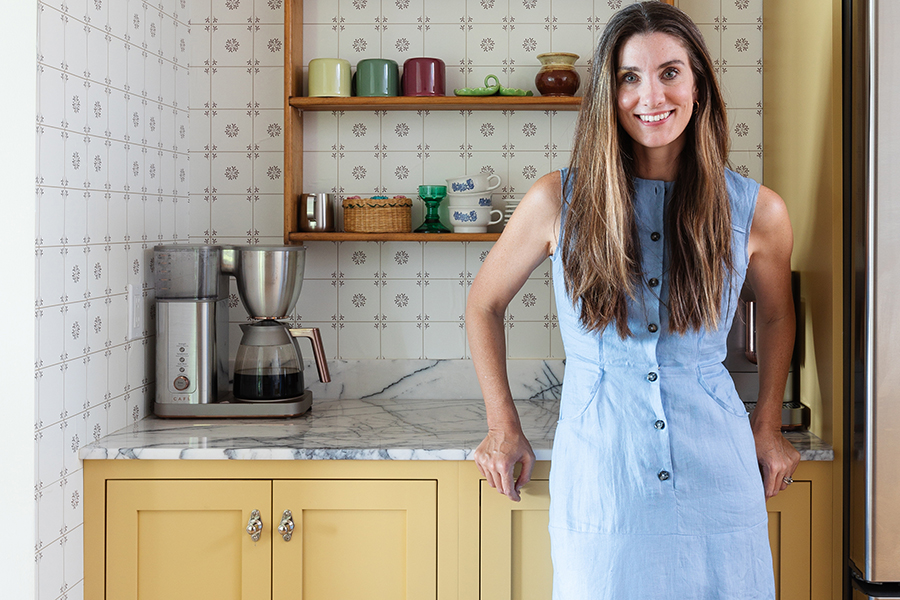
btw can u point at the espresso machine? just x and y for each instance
(192, 370)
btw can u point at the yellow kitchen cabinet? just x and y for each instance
(178, 540)
(372, 539)
(789, 534)
(366, 529)
(515, 543)
(800, 533)
(170, 531)
(515, 546)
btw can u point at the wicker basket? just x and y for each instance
(378, 214)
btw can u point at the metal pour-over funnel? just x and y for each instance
(269, 278)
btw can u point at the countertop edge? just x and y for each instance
(351, 430)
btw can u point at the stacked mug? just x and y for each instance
(469, 202)
(510, 208)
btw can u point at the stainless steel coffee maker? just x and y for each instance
(192, 372)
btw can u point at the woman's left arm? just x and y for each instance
(769, 273)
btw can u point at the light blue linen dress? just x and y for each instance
(654, 484)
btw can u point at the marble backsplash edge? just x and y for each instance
(430, 379)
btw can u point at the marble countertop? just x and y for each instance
(349, 430)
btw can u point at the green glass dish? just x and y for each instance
(491, 89)
(487, 90)
(514, 92)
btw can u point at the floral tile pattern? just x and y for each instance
(111, 181)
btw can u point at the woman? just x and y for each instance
(655, 476)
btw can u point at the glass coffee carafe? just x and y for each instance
(268, 366)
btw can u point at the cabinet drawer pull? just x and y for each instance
(286, 527)
(255, 525)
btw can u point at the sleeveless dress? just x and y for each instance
(654, 484)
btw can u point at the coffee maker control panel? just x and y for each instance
(181, 359)
(180, 366)
(186, 367)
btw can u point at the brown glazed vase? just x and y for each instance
(557, 76)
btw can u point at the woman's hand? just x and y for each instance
(496, 458)
(777, 458)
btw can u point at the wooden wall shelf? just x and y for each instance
(295, 105)
(438, 103)
(300, 237)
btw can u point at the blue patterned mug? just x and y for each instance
(476, 199)
(473, 219)
(482, 182)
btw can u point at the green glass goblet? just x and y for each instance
(432, 195)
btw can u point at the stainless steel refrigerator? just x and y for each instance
(872, 222)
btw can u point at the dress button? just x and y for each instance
(651, 376)
(663, 475)
(654, 236)
(652, 327)
(653, 282)
(660, 424)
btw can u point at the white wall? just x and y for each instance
(16, 302)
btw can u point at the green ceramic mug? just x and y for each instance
(329, 77)
(377, 77)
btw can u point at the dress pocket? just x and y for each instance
(580, 386)
(718, 385)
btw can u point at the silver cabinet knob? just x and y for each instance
(286, 527)
(255, 525)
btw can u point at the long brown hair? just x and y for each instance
(599, 243)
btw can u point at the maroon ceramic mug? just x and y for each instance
(423, 77)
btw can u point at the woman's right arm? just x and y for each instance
(527, 240)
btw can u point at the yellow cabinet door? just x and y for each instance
(356, 539)
(790, 526)
(187, 539)
(515, 544)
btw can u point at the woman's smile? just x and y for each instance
(652, 119)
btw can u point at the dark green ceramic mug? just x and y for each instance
(377, 77)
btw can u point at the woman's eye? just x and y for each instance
(629, 78)
(670, 73)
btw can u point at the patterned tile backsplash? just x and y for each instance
(367, 305)
(111, 181)
(161, 121)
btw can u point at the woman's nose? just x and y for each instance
(652, 93)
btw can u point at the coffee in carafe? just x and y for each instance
(268, 365)
(267, 385)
